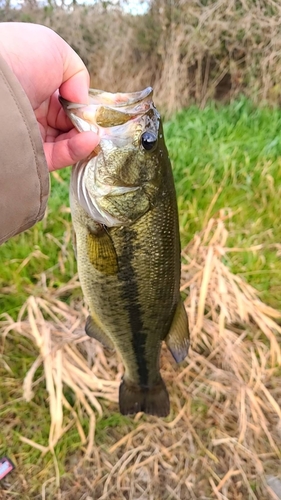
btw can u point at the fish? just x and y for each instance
(127, 243)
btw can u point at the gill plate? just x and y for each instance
(90, 202)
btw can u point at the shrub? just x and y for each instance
(189, 51)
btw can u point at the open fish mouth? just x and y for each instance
(120, 99)
(107, 110)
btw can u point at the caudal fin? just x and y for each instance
(153, 400)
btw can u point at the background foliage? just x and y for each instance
(189, 51)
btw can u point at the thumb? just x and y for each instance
(66, 152)
(75, 79)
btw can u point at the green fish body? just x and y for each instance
(125, 218)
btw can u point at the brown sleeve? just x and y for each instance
(24, 176)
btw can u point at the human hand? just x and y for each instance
(45, 66)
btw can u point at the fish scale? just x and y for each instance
(129, 267)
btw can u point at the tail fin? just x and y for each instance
(153, 400)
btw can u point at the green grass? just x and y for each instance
(232, 151)
(44, 244)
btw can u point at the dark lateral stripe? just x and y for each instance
(130, 295)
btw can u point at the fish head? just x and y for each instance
(118, 182)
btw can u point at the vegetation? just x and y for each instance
(215, 442)
(189, 51)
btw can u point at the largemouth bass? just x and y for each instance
(125, 219)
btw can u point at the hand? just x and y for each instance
(45, 66)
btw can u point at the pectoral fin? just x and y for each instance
(177, 339)
(95, 332)
(102, 253)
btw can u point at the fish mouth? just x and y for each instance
(108, 110)
(120, 99)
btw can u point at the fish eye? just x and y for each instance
(148, 140)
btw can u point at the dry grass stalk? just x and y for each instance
(227, 297)
(64, 365)
(223, 434)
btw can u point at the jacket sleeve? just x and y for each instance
(24, 176)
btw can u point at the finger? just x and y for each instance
(56, 116)
(76, 79)
(53, 135)
(63, 153)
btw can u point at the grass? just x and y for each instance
(230, 157)
(223, 157)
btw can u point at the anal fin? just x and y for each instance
(177, 339)
(95, 332)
